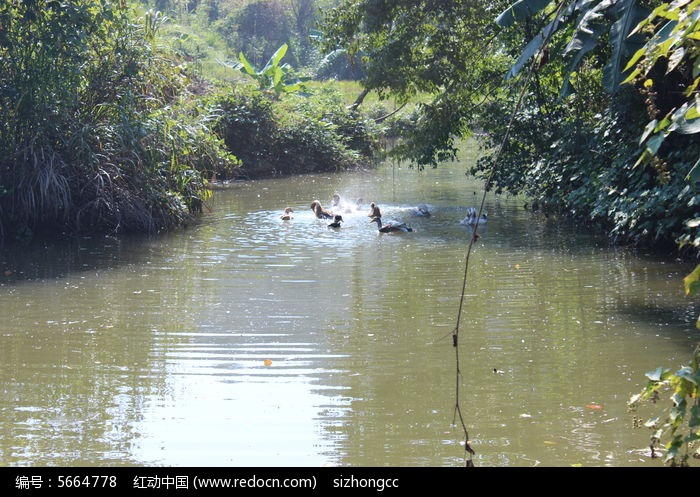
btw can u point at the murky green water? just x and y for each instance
(251, 341)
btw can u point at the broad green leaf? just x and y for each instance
(276, 75)
(675, 59)
(691, 282)
(532, 48)
(648, 130)
(519, 11)
(245, 65)
(692, 112)
(694, 420)
(629, 15)
(657, 374)
(584, 40)
(655, 142)
(694, 173)
(633, 60)
(687, 373)
(276, 57)
(688, 126)
(632, 76)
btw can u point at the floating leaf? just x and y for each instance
(268, 362)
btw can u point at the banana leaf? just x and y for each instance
(520, 10)
(629, 14)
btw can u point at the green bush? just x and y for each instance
(296, 134)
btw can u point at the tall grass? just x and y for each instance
(97, 130)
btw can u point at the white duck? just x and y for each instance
(471, 218)
(421, 210)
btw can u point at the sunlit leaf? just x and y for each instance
(532, 48)
(688, 374)
(692, 113)
(691, 282)
(519, 11)
(276, 57)
(657, 374)
(623, 44)
(245, 66)
(647, 131)
(655, 142)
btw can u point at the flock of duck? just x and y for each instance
(472, 218)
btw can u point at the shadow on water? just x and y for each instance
(40, 260)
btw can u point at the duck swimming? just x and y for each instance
(340, 205)
(471, 218)
(391, 226)
(421, 210)
(336, 222)
(320, 212)
(287, 214)
(374, 210)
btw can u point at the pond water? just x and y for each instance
(245, 340)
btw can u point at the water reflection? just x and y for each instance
(251, 341)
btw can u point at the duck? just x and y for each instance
(391, 226)
(374, 211)
(421, 210)
(471, 218)
(336, 223)
(340, 205)
(320, 212)
(287, 214)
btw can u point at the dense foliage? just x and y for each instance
(677, 428)
(574, 146)
(593, 114)
(106, 129)
(94, 134)
(301, 134)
